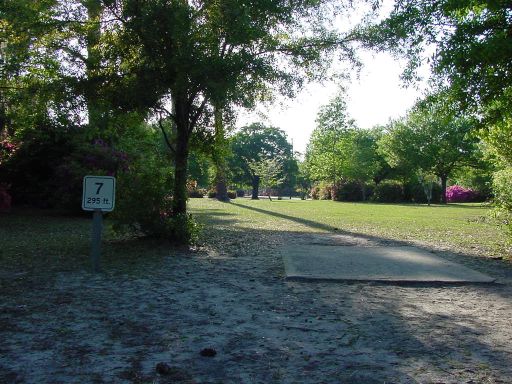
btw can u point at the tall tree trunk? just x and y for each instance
(220, 156)
(220, 183)
(179, 198)
(444, 180)
(255, 187)
(94, 110)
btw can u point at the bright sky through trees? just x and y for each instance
(373, 99)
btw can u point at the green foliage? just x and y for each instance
(269, 172)
(478, 179)
(143, 207)
(388, 192)
(324, 157)
(315, 192)
(499, 138)
(325, 191)
(143, 202)
(414, 191)
(199, 168)
(502, 187)
(338, 152)
(333, 116)
(232, 194)
(348, 191)
(473, 50)
(256, 143)
(473, 56)
(144, 199)
(431, 139)
(31, 170)
(208, 56)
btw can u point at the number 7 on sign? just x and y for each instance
(99, 187)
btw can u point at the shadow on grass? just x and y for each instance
(214, 217)
(309, 223)
(321, 226)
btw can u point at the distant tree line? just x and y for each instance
(429, 148)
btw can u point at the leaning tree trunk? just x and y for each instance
(444, 180)
(220, 158)
(255, 187)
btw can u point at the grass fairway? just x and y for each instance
(42, 241)
(460, 227)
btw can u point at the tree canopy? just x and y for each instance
(431, 138)
(472, 42)
(339, 152)
(257, 143)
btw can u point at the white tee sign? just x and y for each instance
(99, 193)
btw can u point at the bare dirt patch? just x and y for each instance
(231, 297)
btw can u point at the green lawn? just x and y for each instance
(461, 227)
(42, 241)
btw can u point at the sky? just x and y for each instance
(376, 97)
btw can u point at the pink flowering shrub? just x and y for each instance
(458, 194)
(7, 149)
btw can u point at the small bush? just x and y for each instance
(193, 191)
(458, 194)
(347, 191)
(7, 150)
(325, 191)
(414, 192)
(315, 193)
(196, 194)
(240, 193)
(302, 193)
(232, 194)
(212, 193)
(388, 192)
(502, 186)
(181, 229)
(96, 158)
(144, 202)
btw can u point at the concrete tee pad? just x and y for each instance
(394, 264)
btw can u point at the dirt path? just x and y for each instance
(115, 328)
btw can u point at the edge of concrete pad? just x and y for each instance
(410, 282)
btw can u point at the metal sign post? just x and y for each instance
(98, 196)
(97, 228)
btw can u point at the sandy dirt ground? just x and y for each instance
(77, 327)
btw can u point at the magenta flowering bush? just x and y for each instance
(459, 194)
(7, 150)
